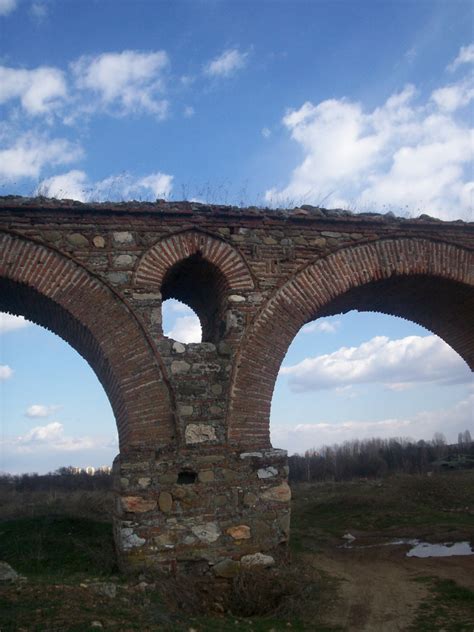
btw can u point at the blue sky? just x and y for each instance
(364, 105)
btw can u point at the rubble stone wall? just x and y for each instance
(199, 486)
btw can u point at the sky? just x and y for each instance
(365, 106)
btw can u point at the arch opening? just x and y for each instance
(21, 300)
(362, 375)
(199, 284)
(55, 414)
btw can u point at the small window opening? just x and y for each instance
(200, 285)
(187, 478)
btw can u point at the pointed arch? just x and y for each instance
(169, 251)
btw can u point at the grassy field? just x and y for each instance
(72, 584)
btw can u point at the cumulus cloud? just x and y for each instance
(52, 438)
(321, 326)
(189, 111)
(40, 90)
(186, 329)
(8, 322)
(226, 64)
(40, 410)
(421, 425)
(465, 56)
(75, 185)
(403, 154)
(380, 360)
(126, 82)
(5, 372)
(7, 6)
(30, 154)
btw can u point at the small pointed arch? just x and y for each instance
(199, 270)
(161, 257)
(428, 282)
(56, 292)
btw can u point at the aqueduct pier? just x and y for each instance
(198, 484)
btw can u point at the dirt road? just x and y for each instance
(378, 591)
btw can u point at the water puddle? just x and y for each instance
(425, 549)
(418, 548)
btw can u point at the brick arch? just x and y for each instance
(59, 294)
(428, 282)
(169, 251)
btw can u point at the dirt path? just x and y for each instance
(377, 591)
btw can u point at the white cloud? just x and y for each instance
(7, 6)
(454, 97)
(321, 326)
(266, 133)
(381, 360)
(126, 82)
(189, 111)
(75, 185)
(421, 425)
(8, 322)
(52, 438)
(186, 329)
(40, 90)
(40, 410)
(226, 64)
(400, 155)
(465, 56)
(30, 153)
(176, 306)
(5, 372)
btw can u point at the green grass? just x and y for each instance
(449, 607)
(416, 506)
(53, 547)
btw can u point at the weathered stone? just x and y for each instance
(216, 389)
(129, 539)
(267, 472)
(206, 476)
(239, 532)
(226, 568)
(280, 493)
(250, 499)
(180, 366)
(178, 347)
(144, 482)
(185, 410)
(284, 522)
(137, 504)
(155, 316)
(118, 278)
(200, 433)
(257, 559)
(98, 241)
(250, 455)
(122, 237)
(168, 479)
(123, 261)
(7, 573)
(208, 532)
(236, 298)
(77, 240)
(165, 502)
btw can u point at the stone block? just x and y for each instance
(226, 568)
(239, 532)
(165, 502)
(280, 493)
(199, 433)
(137, 504)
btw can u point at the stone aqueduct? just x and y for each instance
(198, 485)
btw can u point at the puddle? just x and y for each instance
(425, 549)
(419, 549)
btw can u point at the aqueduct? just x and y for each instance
(198, 484)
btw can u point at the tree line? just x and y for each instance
(375, 458)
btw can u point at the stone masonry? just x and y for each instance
(199, 487)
